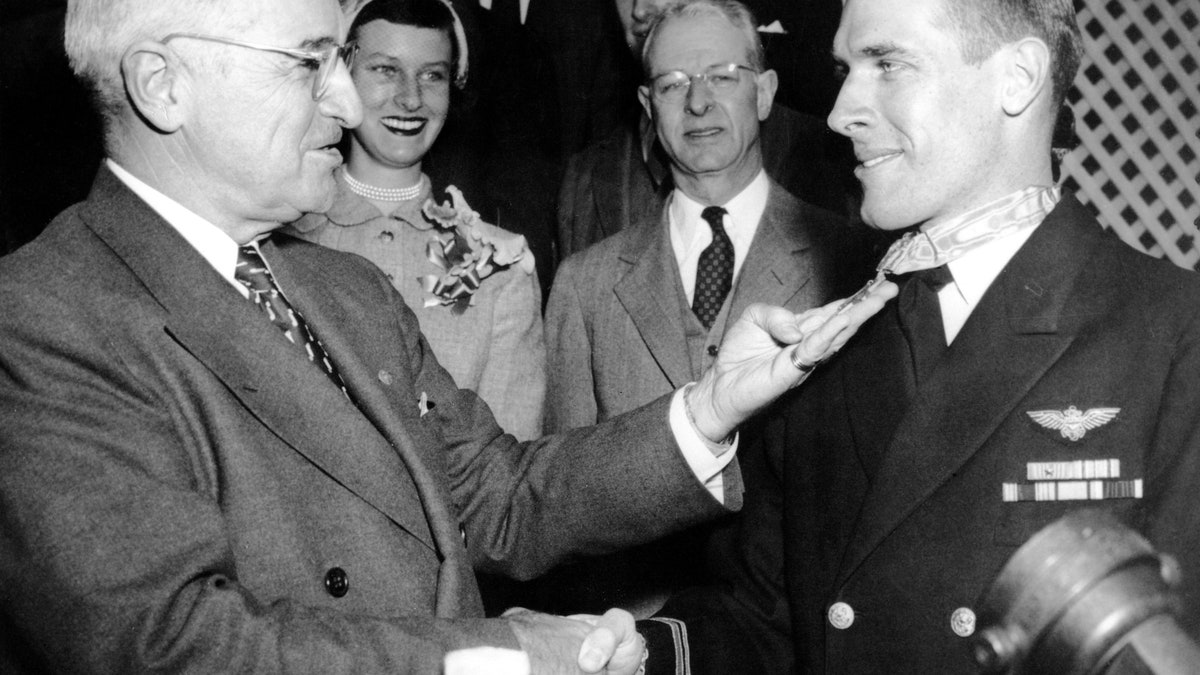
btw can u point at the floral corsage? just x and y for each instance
(468, 251)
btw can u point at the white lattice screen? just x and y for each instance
(1135, 102)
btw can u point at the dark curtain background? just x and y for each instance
(49, 139)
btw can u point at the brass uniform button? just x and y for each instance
(962, 622)
(841, 615)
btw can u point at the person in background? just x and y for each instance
(1032, 365)
(473, 286)
(638, 314)
(624, 177)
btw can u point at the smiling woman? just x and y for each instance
(471, 284)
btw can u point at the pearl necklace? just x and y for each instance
(383, 194)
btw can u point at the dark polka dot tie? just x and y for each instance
(714, 272)
(252, 273)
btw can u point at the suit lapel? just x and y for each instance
(649, 292)
(879, 373)
(1011, 339)
(778, 266)
(393, 413)
(271, 377)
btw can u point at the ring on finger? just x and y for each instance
(799, 363)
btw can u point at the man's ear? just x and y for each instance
(644, 97)
(1026, 75)
(152, 75)
(767, 83)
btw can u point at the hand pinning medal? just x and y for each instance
(842, 307)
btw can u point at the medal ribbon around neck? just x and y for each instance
(949, 240)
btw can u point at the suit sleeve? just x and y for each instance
(740, 623)
(114, 555)
(527, 507)
(514, 371)
(571, 398)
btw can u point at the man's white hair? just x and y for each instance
(98, 32)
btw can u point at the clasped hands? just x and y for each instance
(597, 644)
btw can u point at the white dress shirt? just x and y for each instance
(221, 251)
(218, 248)
(691, 234)
(973, 273)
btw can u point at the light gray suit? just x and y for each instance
(618, 326)
(620, 333)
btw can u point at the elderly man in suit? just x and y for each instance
(796, 35)
(1033, 364)
(624, 178)
(643, 312)
(224, 450)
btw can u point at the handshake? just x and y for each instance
(556, 644)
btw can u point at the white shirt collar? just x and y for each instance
(690, 235)
(217, 247)
(974, 272)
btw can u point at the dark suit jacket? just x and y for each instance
(541, 91)
(182, 488)
(610, 185)
(888, 497)
(801, 53)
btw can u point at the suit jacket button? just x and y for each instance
(385, 377)
(712, 350)
(841, 615)
(462, 531)
(962, 622)
(336, 582)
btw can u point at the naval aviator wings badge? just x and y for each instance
(1073, 423)
(1059, 480)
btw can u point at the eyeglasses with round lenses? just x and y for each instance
(673, 86)
(324, 60)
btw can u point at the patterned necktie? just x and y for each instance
(252, 273)
(921, 317)
(714, 271)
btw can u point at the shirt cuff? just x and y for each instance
(706, 459)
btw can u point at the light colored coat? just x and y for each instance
(495, 347)
(615, 328)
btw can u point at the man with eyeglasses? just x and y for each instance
(645, 311)
(623, 177)
(227, 450)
